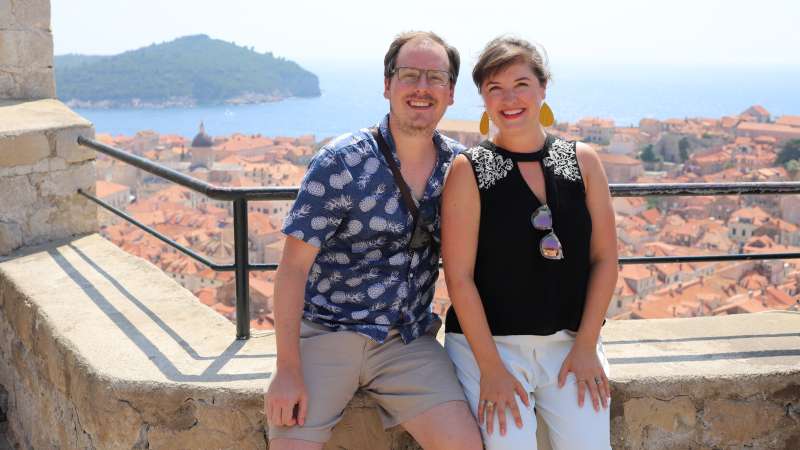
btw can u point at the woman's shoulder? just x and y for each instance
(487, 164)
(562, 159)
(483, 150)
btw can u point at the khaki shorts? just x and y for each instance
(405, 379)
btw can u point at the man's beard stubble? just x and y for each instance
(410, 129)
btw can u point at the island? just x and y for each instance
(188, 71)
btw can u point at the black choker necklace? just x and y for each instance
(522, 157)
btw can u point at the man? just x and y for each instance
(357, 275)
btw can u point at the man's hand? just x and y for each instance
(286, 401)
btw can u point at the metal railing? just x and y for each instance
(240, 196)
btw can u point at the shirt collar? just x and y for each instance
(440, 144)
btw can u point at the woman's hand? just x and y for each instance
(498, 388)
(583, 362)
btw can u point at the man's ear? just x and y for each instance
(386, 83)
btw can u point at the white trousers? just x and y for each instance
(535, 361)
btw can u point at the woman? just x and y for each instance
(530, 258)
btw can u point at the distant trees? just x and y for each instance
(792, 168)
(648, 154)
(683, 148)
(790, 151)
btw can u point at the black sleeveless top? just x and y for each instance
(521, 291)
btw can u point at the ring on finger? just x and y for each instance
(597, 380)
(489, 404)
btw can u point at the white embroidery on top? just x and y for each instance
(489, 166)
(562, 159)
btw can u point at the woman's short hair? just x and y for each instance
(504, 51)
(390, 60)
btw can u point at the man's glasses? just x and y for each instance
(549, 246)
(411, 76)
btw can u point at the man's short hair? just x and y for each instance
(390, 60)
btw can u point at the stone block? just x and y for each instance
(66, 144)
(17, 117)
(10, 238)
(22, 150)
(74, 216)
(64, 183)
(8, 85)
(26, 49)
(18, 196)
(32, 13)
(45, 165)
(741, 423)
(21, 315)
(37, 84)
(645, 416)
(197, 423)
(39, 226)
(51, 355)
(7, 19)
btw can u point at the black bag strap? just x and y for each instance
(405, 191)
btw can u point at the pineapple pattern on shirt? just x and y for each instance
(365, 278)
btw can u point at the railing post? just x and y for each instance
(242, 261)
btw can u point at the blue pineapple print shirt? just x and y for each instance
(366, 278)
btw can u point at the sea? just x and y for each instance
(352, 98)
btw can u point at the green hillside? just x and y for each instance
(197, 69)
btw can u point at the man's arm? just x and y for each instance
(287, 389)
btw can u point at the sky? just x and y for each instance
(342, 32)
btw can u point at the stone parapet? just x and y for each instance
(100, 349)
(727, 382)
(26, 50)
(41, 169)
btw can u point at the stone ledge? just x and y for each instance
(706, 382)
(20, 117)
(101, 349)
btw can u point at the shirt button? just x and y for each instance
(411, 276)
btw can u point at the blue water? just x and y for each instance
(353, 98)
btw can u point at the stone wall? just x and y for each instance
(26, 50)
(100, 349)
(41, 169)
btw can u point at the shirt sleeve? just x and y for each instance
(323, 201)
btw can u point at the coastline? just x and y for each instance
(249, 98)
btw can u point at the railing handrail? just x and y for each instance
(701, 189)
(241, 195)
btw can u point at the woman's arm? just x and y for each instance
(460, 223)
(603, 272)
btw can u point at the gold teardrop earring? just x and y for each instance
(484, 127)
(546, 117)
